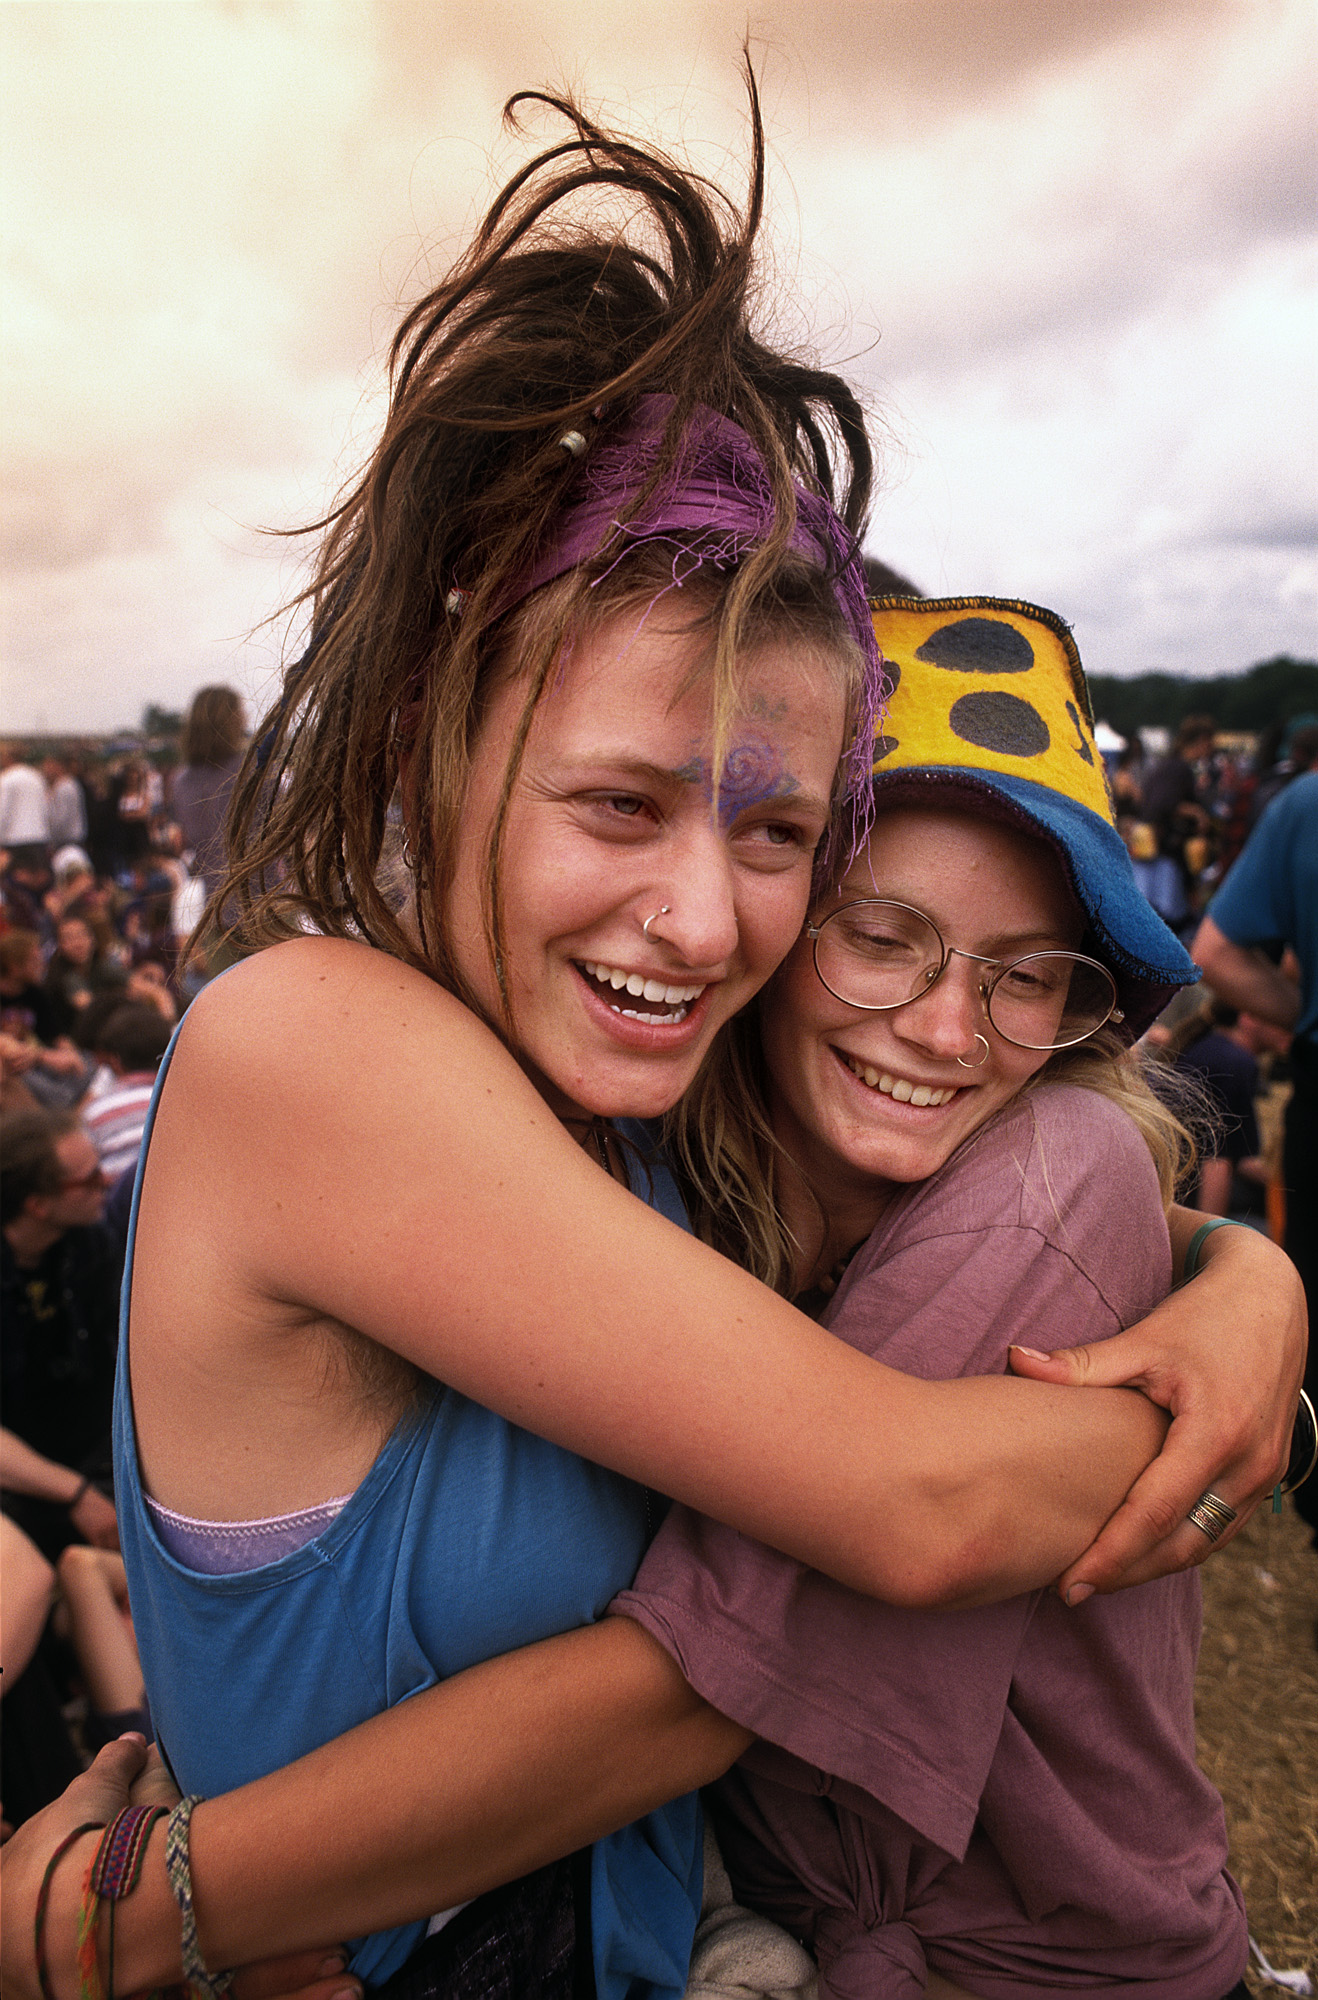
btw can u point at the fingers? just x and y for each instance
(1150, 1534)
(307, 1975)
(1107, 1364)
(154, 1786)
(103, 1788)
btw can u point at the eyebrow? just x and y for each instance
(695, 773)
(1005, 941)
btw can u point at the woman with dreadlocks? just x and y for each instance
(414, 1324)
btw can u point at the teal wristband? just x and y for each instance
(1204, 1230)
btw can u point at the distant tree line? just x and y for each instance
(1273, 691)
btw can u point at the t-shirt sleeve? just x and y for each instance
(908, 1705)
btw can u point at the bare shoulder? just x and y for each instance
(324, 1009)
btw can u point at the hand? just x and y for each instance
(17, 1056)
(101, 1792)
(62, 1060)
(310, 1975)
(93, 1516)
(1226, 1356)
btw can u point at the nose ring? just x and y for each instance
(663, 911)
(983, 1039)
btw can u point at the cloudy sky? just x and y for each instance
(1065, 246)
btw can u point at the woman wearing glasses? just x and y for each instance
(952, 1124)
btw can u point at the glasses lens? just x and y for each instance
(877, 955)
(1050, 999)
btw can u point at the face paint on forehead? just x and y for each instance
(754, 774)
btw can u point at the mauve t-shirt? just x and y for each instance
(1012, 1791)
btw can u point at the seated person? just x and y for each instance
(59, 1288)
(999, 1800)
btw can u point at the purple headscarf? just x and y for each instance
(718, 487)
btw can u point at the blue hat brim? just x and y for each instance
(1148, 961)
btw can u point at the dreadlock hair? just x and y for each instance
(603, 271)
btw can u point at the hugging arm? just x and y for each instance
(1225, 1354)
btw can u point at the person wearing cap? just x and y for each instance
(961, 1149)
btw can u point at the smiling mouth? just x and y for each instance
(638, 998)
(899, 1087)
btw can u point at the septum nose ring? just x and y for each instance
(665, 909)
(983, 1059)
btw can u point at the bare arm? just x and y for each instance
(619, 1338)
(1225, 1355)
(24, 1470)
(1245, 978)
(428, 1803)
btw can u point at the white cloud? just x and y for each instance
(1079, 230)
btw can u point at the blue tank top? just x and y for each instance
(468, 1537)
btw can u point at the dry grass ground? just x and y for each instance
(1257, 1707)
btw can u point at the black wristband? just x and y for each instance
(85, 1487)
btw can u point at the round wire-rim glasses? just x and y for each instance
(879, 955)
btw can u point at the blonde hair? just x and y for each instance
(731, 1162)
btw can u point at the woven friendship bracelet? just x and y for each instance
(118, 1861)
(114, 1872)
(178, 1866)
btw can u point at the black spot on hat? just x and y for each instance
(1001, 722)
(978, 646)
(884, 747)
(892, 673)
(1080, 744)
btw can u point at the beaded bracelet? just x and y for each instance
(178, 1866)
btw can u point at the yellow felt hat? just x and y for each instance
(989, 704)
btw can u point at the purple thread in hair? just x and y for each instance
(718, 485)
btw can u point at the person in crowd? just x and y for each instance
(213, 740)
(74, 881)
(1171, 806)
(937, 1102)
(38, 1053)
(1269, 902)
(86, 1586)
(131, 1045)
(1219, 1048)
(592, 626)
(1295, 752)
(65, 805)
(24, 809)
(28, 1008)
(24, 883)
(59, 1286)
(85, 963)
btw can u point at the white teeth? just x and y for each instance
(616, 979)
(640, 987)
(900, 1087)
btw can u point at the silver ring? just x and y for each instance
(664, 910)
(574, 442)
(983, 1059)
(1211, 1515)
